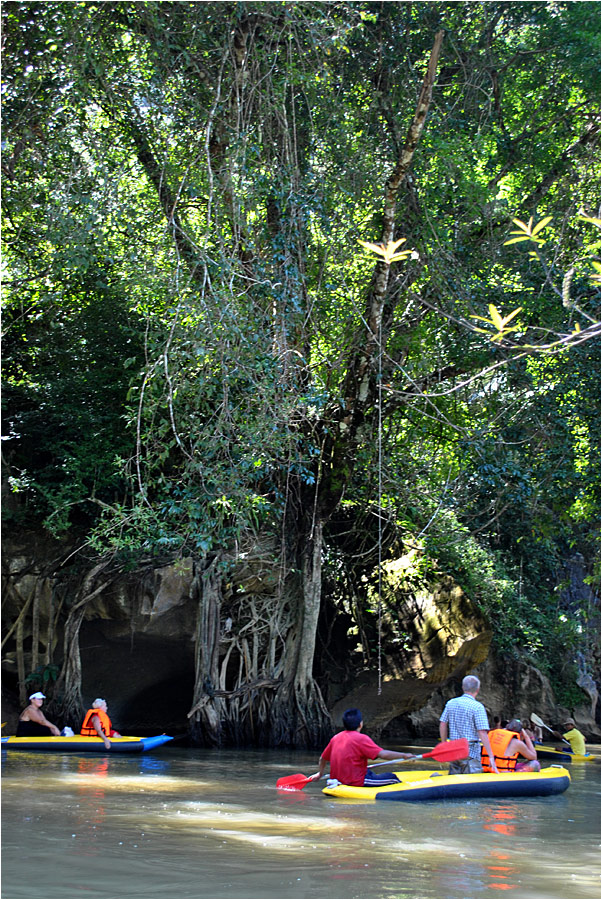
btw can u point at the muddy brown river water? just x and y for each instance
(190, 823)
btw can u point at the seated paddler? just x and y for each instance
(97, 723)
(349, 752)
(512, 749)
(573, 737)
(33, 722)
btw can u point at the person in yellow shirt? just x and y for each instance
(573, 737)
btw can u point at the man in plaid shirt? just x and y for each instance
(465, 717)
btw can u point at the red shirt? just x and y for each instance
(349, 752)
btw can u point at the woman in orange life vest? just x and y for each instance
(507, 745)
(97, 722)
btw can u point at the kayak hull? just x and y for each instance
(562, 756)
(80, 744)
(417, 786)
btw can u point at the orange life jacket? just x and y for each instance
(105, 723)
(499, 739)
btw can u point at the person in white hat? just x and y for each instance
(33, 722)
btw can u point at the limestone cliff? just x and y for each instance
(137, 644)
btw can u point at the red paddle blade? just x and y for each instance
(292, 782)
(449, 751)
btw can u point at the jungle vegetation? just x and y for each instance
(201, 355)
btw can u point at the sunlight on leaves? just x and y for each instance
(528, 232)
(499, 322)
(389, 253)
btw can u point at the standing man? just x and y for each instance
(465, 717)
(349, 751)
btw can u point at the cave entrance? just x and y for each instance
(147, 682)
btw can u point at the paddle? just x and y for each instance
(537, 721)
(293, 782)
(447, 751)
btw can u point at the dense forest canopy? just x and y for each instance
(198, 350)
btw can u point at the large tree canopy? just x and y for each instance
(198, 349)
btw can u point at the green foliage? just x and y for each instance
(63, 400)
(42, 676)
(185, 189)
(525, 619)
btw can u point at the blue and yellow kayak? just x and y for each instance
(80, 744)
(414, 786)
(562, 756)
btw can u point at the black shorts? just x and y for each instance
(32, 729)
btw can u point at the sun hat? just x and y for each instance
(98, 702)
(37, 696)
(569, 722)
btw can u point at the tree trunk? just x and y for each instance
(71, 706)
(299, 715)
(71, 674)
(206, 713)
(21, 662)
(35, 624)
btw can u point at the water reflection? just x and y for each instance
(154, 764)
(502, 872)
(91, 807)
(501, 820)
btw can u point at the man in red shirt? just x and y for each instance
(349, 751)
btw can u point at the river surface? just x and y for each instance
(191, 823)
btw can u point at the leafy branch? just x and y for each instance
(390, 253)
(498, 322)
(532, 232)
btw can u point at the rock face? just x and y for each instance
(138, 647)
(136, 644)
(509, 688)
(431, 633)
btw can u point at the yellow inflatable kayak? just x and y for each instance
(562, 756)
(441, 786)
(80, 744)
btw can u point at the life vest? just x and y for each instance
(105, 723)
(499, 739)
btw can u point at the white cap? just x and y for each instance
(98, 702)
(37, 696)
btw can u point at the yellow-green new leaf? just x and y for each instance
(496, 317)
(541, 225)
(375, 248)
(511, 316)
(393, 245)
(522, 225)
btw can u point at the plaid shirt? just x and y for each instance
(465, 717)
